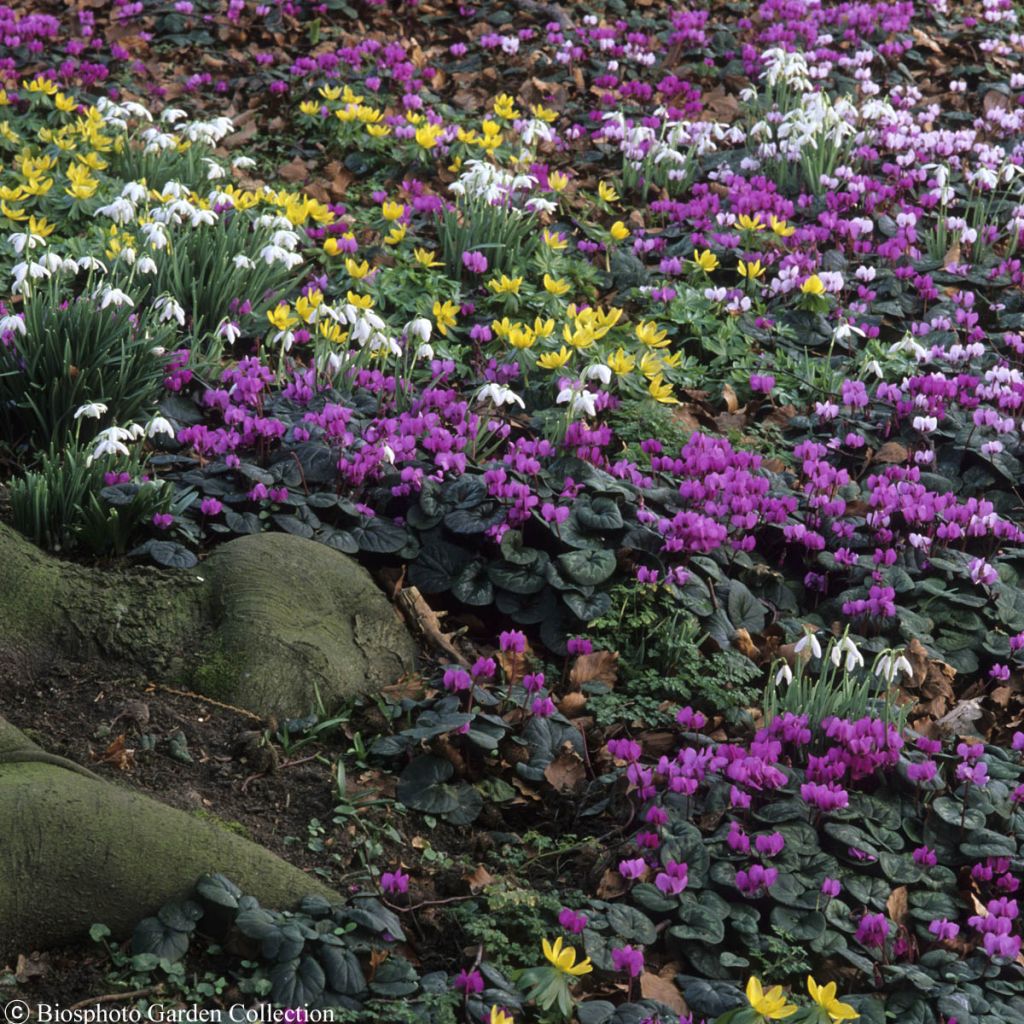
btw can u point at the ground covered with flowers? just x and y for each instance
(674, 354)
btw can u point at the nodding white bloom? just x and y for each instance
(579, 399)
(420, 328)
(12, 323)
(229, 331)
(172, 115)
(157, 141)
(243, 262)
(25, 240)
(120, 211)
(156, 234)
(285, 238)
(784, 675)
(425, 351)
(135, 431)
(272, 254)
(911, 347)
(214, 170)
(147, 265)
(114, 297)
(243, 163)
(135, 192)
(109, 442)
(210, 132)
(389, 454)
(170, 309)
(854, 659)
(808, 640)
(335, 364)
(202, 217)
(91, 410)
(136, 110)
(538, 204)
(874, 367)
(91, 263)
(499, 395)
(158, 425)
(272, 220)
(25, 273)
(889, 666)
(597, 371)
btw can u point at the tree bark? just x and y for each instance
(77, 851)
(273, 623)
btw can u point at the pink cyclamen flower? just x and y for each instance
(396, 881)
(470, 983)
(873, 930)
(628, 958)
(572, 921)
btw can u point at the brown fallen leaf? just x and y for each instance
(117, 754)
(732, 402)
(891, 453)
(596, 667)
(294, 171)
(479, 879)
(653, 986)
(566, 772)
(611, 885)
(897, 905)
(742, 642)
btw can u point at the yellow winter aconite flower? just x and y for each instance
(751, 271)
(64, 103)
(40, 226)
(621, 363)
(542, 113)
(520, 336)
(281, 317)
(648, 334)
(504, 285)
(557, 181)
(395, 235)
(306, 305)
(555, 241)
(505, 106)
(378, 131)
(392, 211)
(425, 257)
(579, 336)
(444, 315)
(499, 1016)
(813, 286)
(607, 192)
(329, 92)
(555, 360)
(772, 1004)
(357, 270)
(333, 332)
(619, 231)
(780, 227)
(706, 260)
(40, 84)
(492, 137)
(13, 212)
(543, 328)
(751, 223)
(661, 391)
(331, 246)
(502, 327)
(427, 135)
(309, 107)
(825, 997)
(555, 286)
(83, 184)
(564, 958)
(360, 301)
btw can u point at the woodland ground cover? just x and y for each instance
(676, 354)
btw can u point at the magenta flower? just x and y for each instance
(830, 887)
(572, 921)
(210, 507)
(396, 881)
(873, 930)
(944, 930)
(475, 262)
(632, 869)
(470, 983)
(673, 880)
(628, 958)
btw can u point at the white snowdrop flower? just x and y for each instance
(147, 265)
(229, 331)
(854, 659)
(243, 163)
(134, 192)
(272, 254)
(285, 238)
(155, 234)
(242, 262)
(808, 641)
(875, 368)
(106, 446)
(135, 431)
(214, 171)
(91, 263)
(425, 351)
(202, 217)
(170, 309)
(159, 425)
(420, 328)
(12, 323)
(537, 204)
(137, 110)
(114, 296)
(597, 371)
(499, 395)
(21, 241)
(91, 410)
(784, 675)
(579, 399)
(120, 211)
(172, 115)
